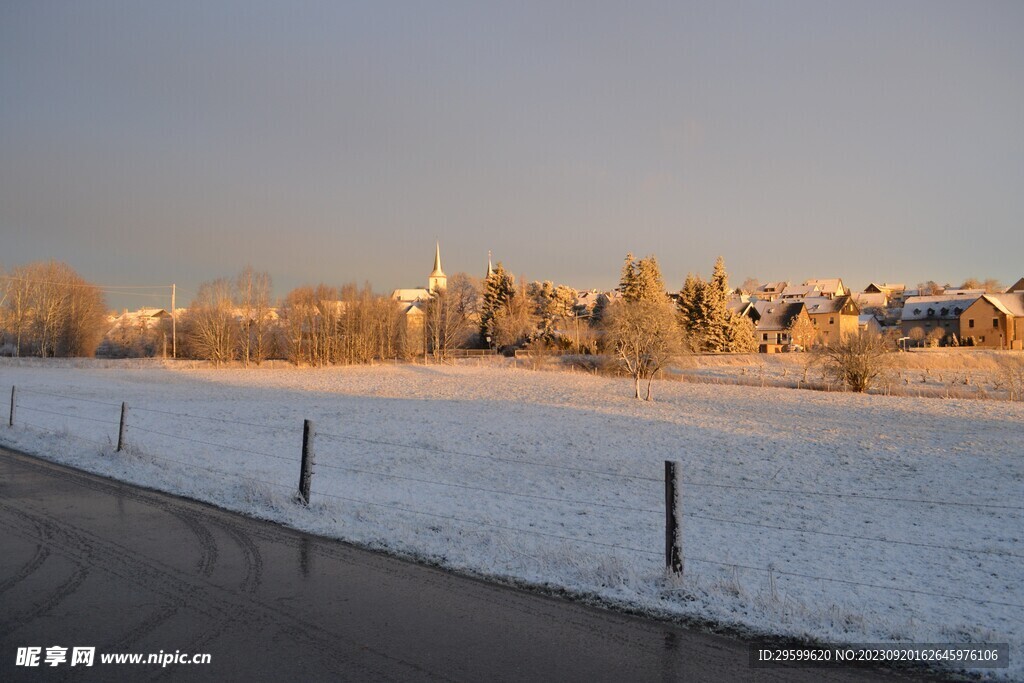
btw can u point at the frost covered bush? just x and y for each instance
(858, 361)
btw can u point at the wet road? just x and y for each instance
(85, 561)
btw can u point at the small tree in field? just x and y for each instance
(644, 337)
(858, 360)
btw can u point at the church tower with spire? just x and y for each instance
(438, 281)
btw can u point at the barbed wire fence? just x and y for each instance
(679, 506)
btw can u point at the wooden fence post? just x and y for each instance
(120, 431)
(10, 423)
(674, 517)
(306, 475)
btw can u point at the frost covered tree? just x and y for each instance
(47, 309)
(641, 280)
(209, 325)
(252, 301)
(703, 309)
(447, 315)
(802, 331)
(858, 360)
(499, 288)
(552, 304)
(514, 323)
(644, 336)
(689, 302)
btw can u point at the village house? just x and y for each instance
(770, 291)
(829, 288)
(922, 315)
(833, 318)
(799, 292)
(994, 321)
(774, 321)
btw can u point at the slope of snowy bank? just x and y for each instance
(835, 516)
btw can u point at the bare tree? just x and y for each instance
(49, 310)
(448, 315)
(858, 360)
(802, 331)
(210, 324)
(252, 300)
(644, 336)
(514, 322)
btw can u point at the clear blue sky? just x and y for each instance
(150, 142)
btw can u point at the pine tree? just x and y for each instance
(649, 285)
(641, 280)
(628, 279)
(499, 288)
(689, 297)
(704, 313)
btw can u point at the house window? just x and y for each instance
(831, 321)
(814, 321)
(995, 323)
(764, 337)
(970, 323)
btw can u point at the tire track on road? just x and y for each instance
(196, 594)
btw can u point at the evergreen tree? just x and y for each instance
(649, 285)
(715, 322)
(688, 302)
(641, 280)
(628, 279)
(499, 288)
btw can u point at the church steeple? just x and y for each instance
(490, 268)
(437, 280)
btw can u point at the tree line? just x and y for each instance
(48, 310)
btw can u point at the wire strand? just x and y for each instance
(852, 536)
(73, 417)
(210, 443)
(70, 398)
(831, 494)
(491, 524)
(486, 490)
(854, 583)
(496, 458)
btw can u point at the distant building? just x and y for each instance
(995, 321)
(833, 318)
(929, 313)
(770, 291)
(774, 320)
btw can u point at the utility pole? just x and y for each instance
(174, 325)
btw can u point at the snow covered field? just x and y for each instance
(842, 517)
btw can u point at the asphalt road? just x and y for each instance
(86, 561)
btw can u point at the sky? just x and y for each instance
(146, 143)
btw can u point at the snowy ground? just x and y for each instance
(913, 531)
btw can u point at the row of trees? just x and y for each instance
(48, 310)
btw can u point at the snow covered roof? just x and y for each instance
(800, 291)
(884, 287)
(407, 295)
(1017, 286)
(941, 307)
(1008, 304)
(776, 315)
(772, 287)
(871, 299)
(822, 304)
(828, 285)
